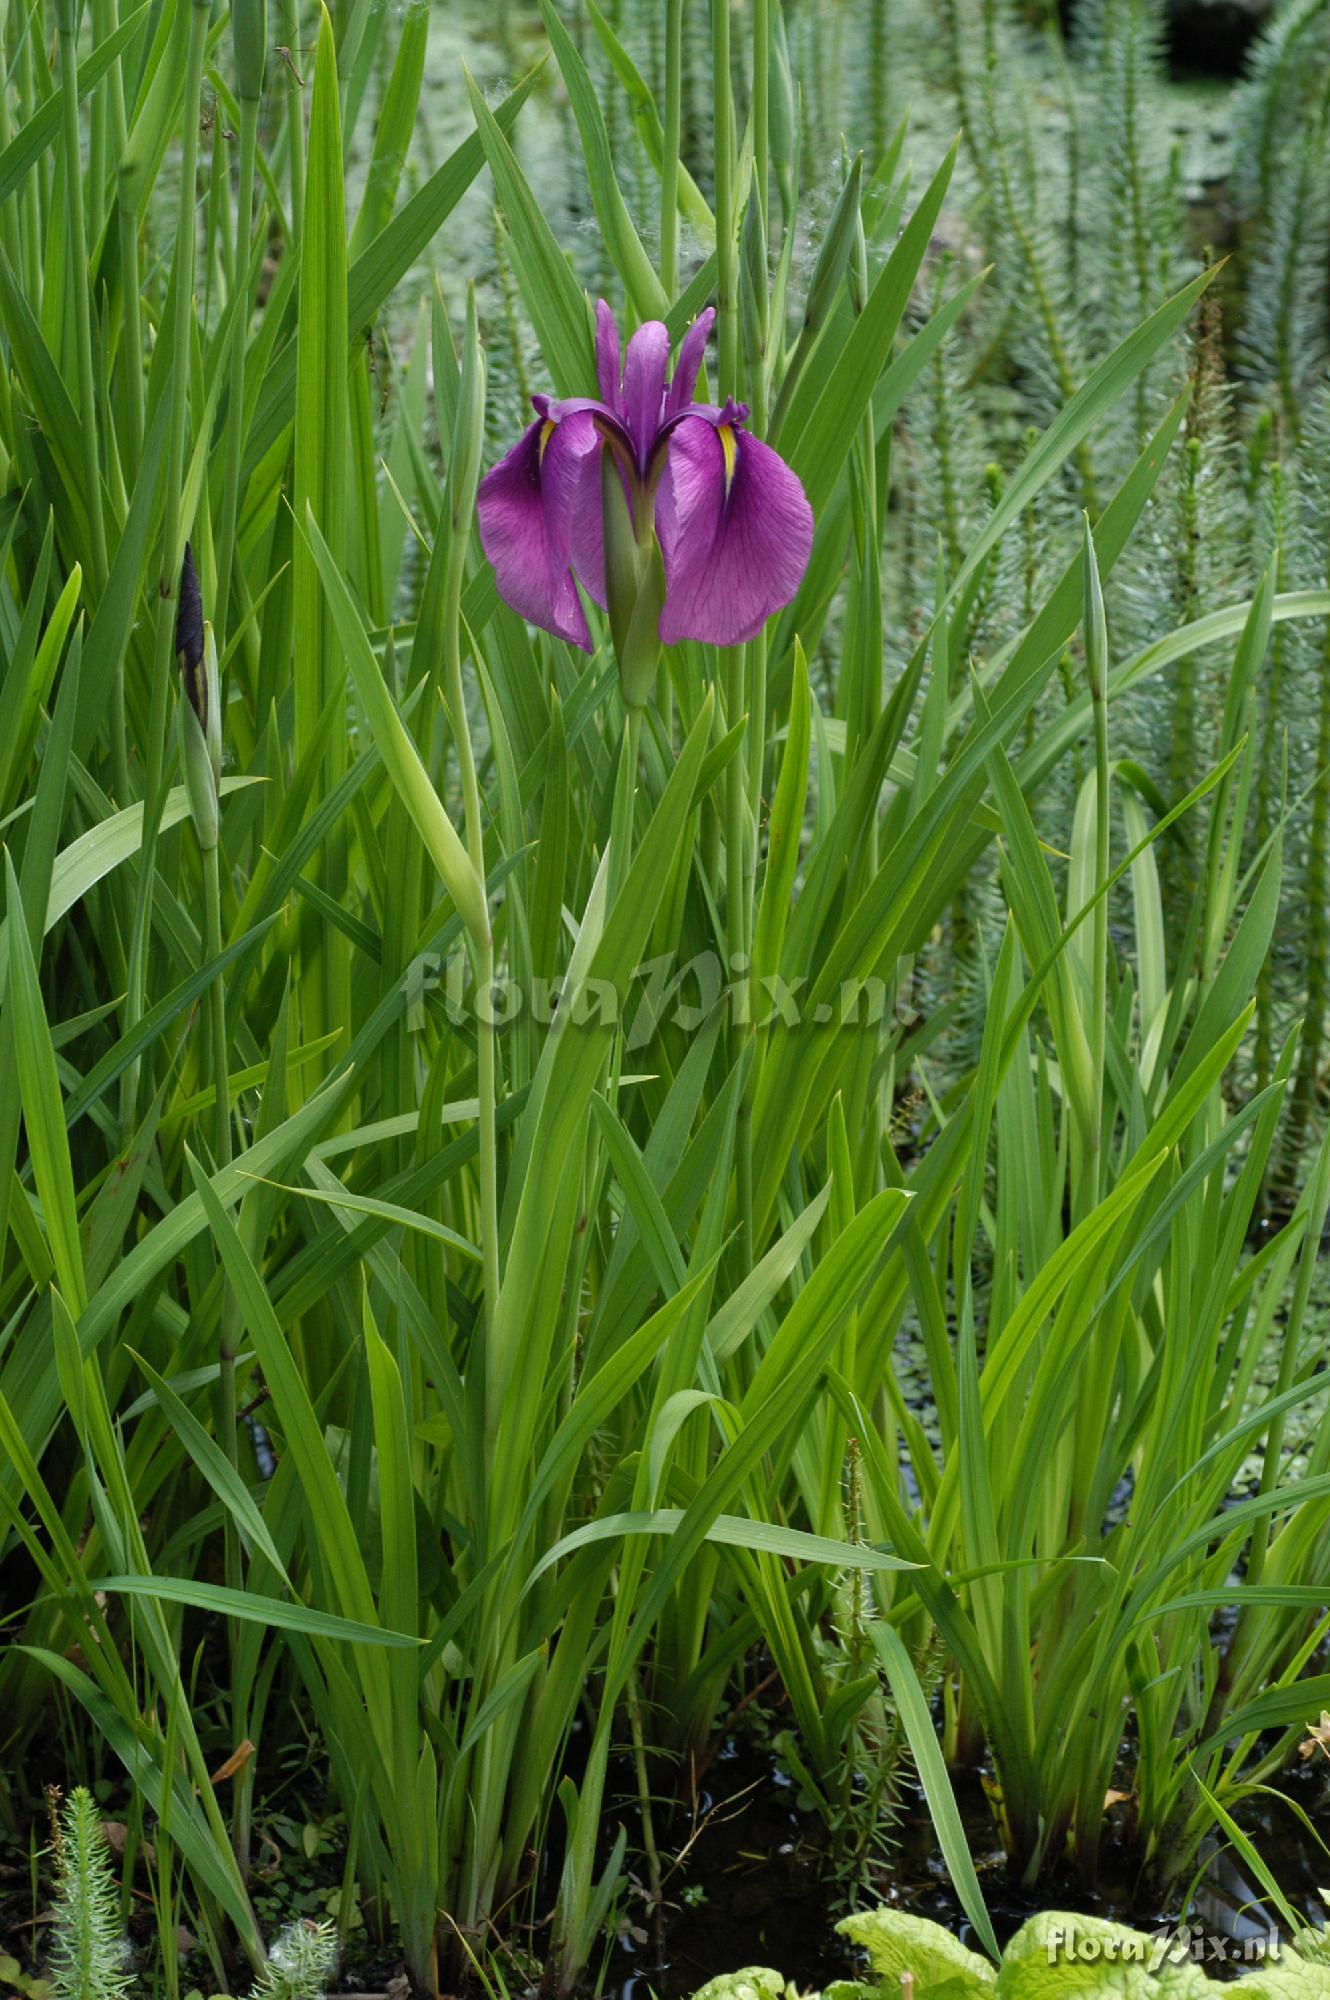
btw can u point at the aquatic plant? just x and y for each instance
(1052, 1953)
(302, 1959)
(88, 1953)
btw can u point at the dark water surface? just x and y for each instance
(757, 1892)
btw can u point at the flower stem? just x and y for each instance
(736, 802)
(621, 811)
(78, 253)
(669, 165)
(738, 889)
(235, 409)
(131, 338)
(1099, 984)
(228, 1341)
(212, 899)
(632, 742)
(750, 663)
(289, 24)
(762, 100)
(756, 649)
(30, 198)
(483, 943)
(727, 290)
(172, 534)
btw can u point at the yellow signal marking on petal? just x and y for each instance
(547, 430)
(725, 432)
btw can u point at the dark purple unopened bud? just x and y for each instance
(189, 638)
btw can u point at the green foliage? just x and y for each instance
(301, 1961)
(755, 1982)
(1052, 1954)
(897, 1943)
(389, 1350)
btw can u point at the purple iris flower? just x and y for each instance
(732, 521)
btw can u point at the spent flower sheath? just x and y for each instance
(663, 508)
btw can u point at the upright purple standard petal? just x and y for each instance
(526, 507)
(691, 349)
(642, 400)
(607, 355)
(735, 530)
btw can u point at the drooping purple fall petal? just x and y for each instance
(526, 507)
(589, 539)
(735, 532)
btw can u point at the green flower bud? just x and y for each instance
(249, 37)
(196, 656)
(783, 114)
(634, 586)
(197, 770)
(468, 444)
(754, 286)
(1096, 627)
(199, 711)
(857, 272)
(640, 654)
(212, 680)
(189, 632)
(622, 553)
(837, 244)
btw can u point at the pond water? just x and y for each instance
(756, 1890)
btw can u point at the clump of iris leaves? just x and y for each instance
(480, 1396)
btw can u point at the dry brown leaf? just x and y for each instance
(237, 1761)
(1317, 1738)
(117, 1834)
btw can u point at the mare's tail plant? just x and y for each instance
(301, 1961)
(89, 1953)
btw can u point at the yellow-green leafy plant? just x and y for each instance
(1054, 1953)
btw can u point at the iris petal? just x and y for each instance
(734, 526)
(526, 508)
(607, 354)
(691, 350)
(589, 536)
(735, 543)
(643, 399)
